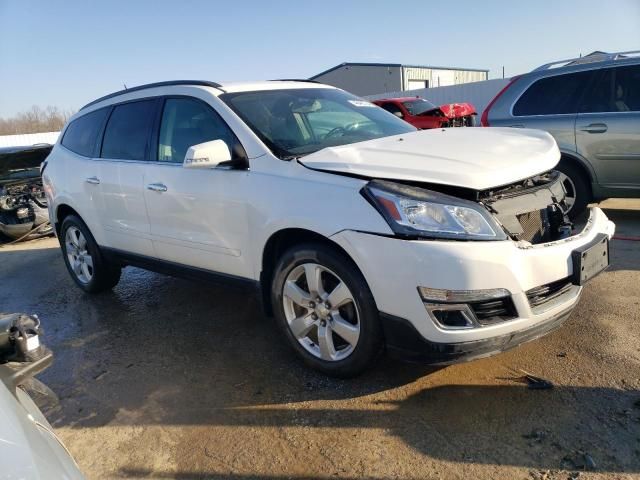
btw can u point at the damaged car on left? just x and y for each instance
(23, 203)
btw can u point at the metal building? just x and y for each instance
(374, 78)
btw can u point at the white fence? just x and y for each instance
(478, 93)
(28, 139)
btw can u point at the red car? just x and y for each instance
(423, 114)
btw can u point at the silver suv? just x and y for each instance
(591, 106)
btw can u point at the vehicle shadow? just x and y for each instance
(196, 355)
(478, 424)
(168, 352)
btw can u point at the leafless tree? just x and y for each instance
(35, 120)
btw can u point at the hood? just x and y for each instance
(456, 110)
(26, 451)
(476, 158)
(18, 163)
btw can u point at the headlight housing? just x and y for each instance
(416, 212)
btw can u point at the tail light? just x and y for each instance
(484, 119)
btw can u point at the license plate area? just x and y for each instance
(591, 259)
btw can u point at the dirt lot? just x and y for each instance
(166, 378)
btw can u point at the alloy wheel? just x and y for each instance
(79, 257)
(570, 188)
(321, 312)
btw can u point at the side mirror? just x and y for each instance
(207, 155)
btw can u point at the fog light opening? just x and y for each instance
(452, 316)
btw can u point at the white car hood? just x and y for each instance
(477, 158)
(27, 451)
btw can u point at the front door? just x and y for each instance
(198, 217)
(608, 127)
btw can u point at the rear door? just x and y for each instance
(198, 217)
(81, 182)
(550, 104)
(608, 127)
(122, 159)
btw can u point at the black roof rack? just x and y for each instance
(204, 83)
(307, 80)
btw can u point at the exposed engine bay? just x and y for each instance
(533, 210)
(23, 204)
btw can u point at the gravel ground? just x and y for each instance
(166, 378)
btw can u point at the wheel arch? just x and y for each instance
(584, 168)
(276, 245)
(62, 211)
(575, 159)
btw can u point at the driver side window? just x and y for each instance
(187, 122)
(393, 108)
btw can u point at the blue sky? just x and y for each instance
(66, 53)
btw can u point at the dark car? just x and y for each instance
(23, 204)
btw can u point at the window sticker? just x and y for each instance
(361, 103)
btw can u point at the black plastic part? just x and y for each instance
(303, 80)
(451, 318)
(203, 83)
(590, 260)
(178, 270)
(403, 341)
(543, 294)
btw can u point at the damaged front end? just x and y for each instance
(530, 211)
(533, 210)
(459, 114)
(23, 204)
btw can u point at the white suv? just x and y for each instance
(359, 231)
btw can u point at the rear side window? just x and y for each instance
(553, 95)
(82, 134)
(187, 122)
(127, 132)
(616, 90)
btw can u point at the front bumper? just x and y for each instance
(394, 268)
(404, 342)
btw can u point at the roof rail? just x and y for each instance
(204, 83)
(306, 80)
(591, 58)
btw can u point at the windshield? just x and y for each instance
(296, 122)
(418, 106)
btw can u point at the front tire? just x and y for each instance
(577, 187)
(325, 310)
(84, 260)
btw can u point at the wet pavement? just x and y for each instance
(168, 378)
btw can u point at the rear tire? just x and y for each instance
(85, 262)
(577, 186)
(325, 310)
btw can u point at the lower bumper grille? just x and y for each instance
(494, 311)
(545, 293)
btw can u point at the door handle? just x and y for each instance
(93, 180)
(157, 187)
(594, 128)
(518, 125)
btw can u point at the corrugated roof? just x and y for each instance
(394, 65)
